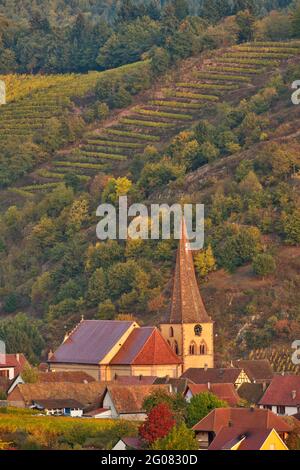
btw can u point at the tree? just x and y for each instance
(179, 438)
(264, 264)
(175, 402)
(291, 227)
(245, 20)
(159, 422)
(296, 21)
(205, 262)
(30, 375)
(97, 288)
(22, 334)
(106, 310)
(201, 405)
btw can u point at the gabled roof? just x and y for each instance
(90, 341)
(87, 394)
(145, 346)
(186, 305)
(178, 385)
(18, 361)
(204, 376)
(249, 439)
(65, 376)
(251, 392)
(223, 391)
(257, 370)
(241, 417)
(130, 398)
(283, 390)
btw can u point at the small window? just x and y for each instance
(176, 348)
(171, 332)
(192, 349)
(280, 410)
(203, 349)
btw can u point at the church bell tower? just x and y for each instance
(190, 331)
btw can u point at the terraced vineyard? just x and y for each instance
(280, 359)
(169, 111)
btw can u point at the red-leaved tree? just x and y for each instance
(158, 424)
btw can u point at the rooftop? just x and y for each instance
(283, 390)
(90, 341)
(241, 417)
(204, 376)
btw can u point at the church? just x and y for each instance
(108, 348)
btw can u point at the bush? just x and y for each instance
(264, 264)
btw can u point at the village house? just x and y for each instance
(258, 371)
(205, 375)
(126, 402)
(239, 438)
(282, 395)
(128, 443)
(225, 392)
(243, 419)
(90, 395)
(12, 365)
(59, 407)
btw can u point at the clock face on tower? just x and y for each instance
(198, 330)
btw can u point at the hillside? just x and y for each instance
(205, 131)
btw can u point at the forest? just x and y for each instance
(59, 36)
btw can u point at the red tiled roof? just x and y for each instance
(90, 341)
(257, 370)
(18, 361)
(145, 346)
(225, 391)
(283, 390)
(252, 439)
(65, 376)
(130, 398)
(132, 442)
(204, 376)
(242, 417)
(187, 305)
(134, 380)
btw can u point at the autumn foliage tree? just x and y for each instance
(158, 424)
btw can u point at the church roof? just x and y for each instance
(145, 346)
(90, 341)
(187, 305)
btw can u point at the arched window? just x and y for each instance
(193, 348)
(203, 349)
(176, 348)
(171, 332)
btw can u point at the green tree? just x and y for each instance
(205, 262)
(179, 438)
(201, 405)
(97, 288)
(264, 264)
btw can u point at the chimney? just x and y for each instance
(251, 408)
(50, 354)
(18, 357)
(140, 377)
(208, 385)
(205, 367)
(294, 394)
